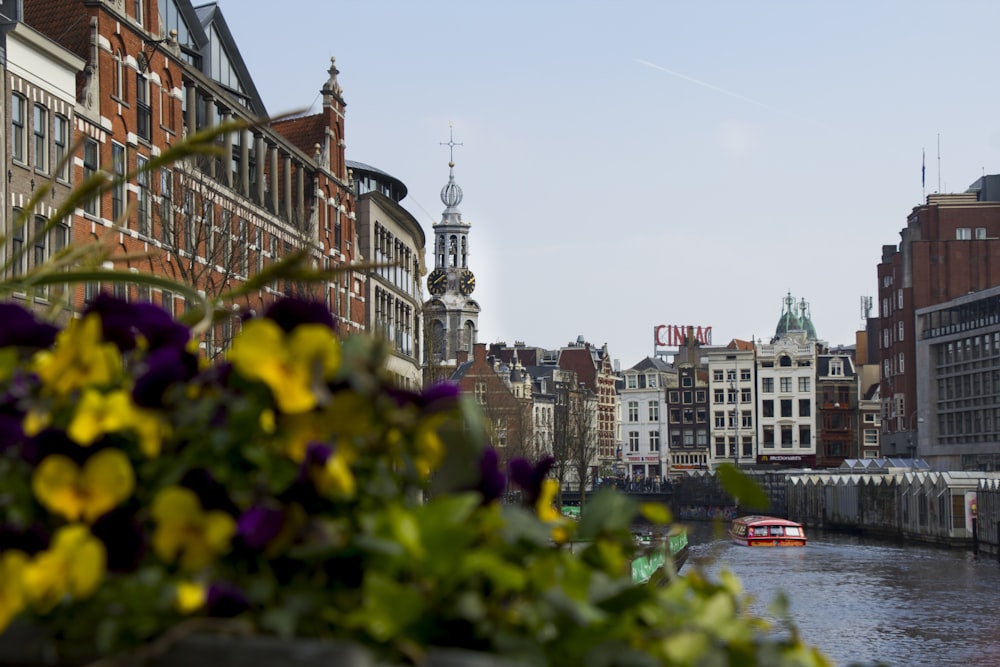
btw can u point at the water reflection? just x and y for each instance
(865, 601)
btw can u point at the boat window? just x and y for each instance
(792, 531)
(777, 530)
(760, 531)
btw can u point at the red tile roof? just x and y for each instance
(304, 132)
(64, 21)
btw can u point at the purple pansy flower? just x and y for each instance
(210, 492)
(290, 313)
(259, 525)
(22, 329)
(123, 539)
(121, 321)
(530, 477)
(164, 367)
(224, 600)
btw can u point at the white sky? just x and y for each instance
(627, 164)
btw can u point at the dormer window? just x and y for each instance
(630, 381)
(836, 368)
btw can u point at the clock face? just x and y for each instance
(437, 282)
(467, 283)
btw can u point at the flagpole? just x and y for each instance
(923, 175)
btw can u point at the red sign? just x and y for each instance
(673, 335)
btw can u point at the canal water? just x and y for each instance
(866, 601)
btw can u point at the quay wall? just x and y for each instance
(956, 509)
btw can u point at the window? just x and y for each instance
(746, 419)
(720, 420)
(142, 195)
(720, 447)
(633, 411)
(767, 385)
(745, 396)
(244, 238)
(651, 381)
(654, 411)
(719, 395)
(18, 119)
(768, 437)
(167, 303)
(630, 381)
(901, 370)
(687, 381)
(90, 165)
(166, 204)
(744, 375)
(654, 441)
(119, 187)
(689, 438)
(730, 376)
(963, 234)
(60, 237)
(786, 407)
(137, 11)
(786, 385)
(687, 397)
(717, 375)
(675, 397)
(143, 111)
(700, 396)
(837, 368)
(633, 442)
(980, 233)
(804, 407)
(786, 436)
(41, 129)
(60, 138)
(805, 436)
(871, 436)
(16, 259)
(768, 408)
(803, 385)
(481, 393)
(899, 298)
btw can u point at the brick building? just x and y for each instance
(154, 73)
(950, 247)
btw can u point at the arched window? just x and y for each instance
(469, 337)
(437, 348)
(119, 76)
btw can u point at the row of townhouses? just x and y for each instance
(792, 402)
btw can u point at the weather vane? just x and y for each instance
(451, 145)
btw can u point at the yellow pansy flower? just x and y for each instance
(185, 532)
(99, 413)
(73, 565)
(190, 597)
(545, 508)
(80, 358)
(336, 477)
(11, 590)
(105, 480)
(152, 429)
(292, 365)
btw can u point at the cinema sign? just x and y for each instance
(674, 335)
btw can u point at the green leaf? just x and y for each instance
(607, 512)
(745, 491)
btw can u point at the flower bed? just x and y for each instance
(290, 490)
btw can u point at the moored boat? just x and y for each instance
(652, 562)
(767, 531)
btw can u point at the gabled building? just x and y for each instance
(687, 409)
(155, 73)
(504, 396)
(837, 403)
(732, 404)
(642, 452)
(594, 370)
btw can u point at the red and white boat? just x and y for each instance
(767, 531)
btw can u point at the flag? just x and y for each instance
(923, 168)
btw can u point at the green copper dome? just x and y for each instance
(795, 317)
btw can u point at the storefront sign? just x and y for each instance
(799, 459)
(674, 335)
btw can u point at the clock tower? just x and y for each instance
(451, 314)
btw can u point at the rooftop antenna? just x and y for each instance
(939, 161)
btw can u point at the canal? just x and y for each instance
(868, 601)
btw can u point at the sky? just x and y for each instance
(634, 163)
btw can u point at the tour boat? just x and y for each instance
(651, 562)
(767, 531)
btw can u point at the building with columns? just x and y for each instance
(156, 72)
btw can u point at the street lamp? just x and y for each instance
(913, 443)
